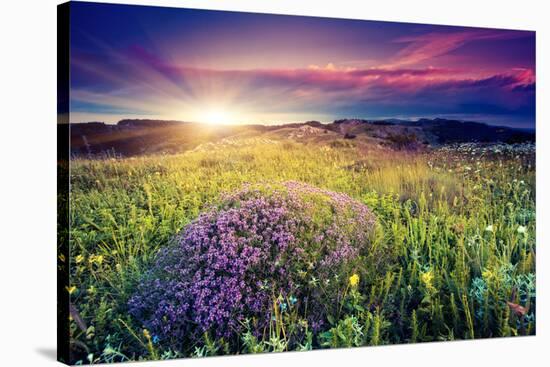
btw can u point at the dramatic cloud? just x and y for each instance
(427, 46)
(410, 72)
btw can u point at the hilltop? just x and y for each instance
(136, 137)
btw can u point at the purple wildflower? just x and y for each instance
(227, 265)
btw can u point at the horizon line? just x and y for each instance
(386, 119)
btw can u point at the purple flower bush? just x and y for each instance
(262, 243)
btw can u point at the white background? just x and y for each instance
(28, 181)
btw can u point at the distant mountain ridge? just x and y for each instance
(146, 136)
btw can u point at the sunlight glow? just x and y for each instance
(216, 117)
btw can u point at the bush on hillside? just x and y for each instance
(291, 245)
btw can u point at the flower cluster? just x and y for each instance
(260, 242)
(354, 280)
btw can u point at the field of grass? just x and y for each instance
(459, 222)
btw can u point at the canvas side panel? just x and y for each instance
(63, 256)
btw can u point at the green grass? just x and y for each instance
(460, 220)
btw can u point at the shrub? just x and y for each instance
(403, 141)
(341, 144)
(263, 245)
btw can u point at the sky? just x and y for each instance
(242, 68)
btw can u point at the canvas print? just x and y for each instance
(233, 183)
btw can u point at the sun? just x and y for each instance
(216, 117)
(215, 113)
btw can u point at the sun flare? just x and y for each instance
(217, 117)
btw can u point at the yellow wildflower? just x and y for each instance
(486, 274)
(71, 289)
(354, 280)
(79, 259)
(96, 259)
(427, 279)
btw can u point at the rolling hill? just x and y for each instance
(138, 137)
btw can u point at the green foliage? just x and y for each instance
(459, 221)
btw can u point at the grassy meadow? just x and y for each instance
(458, 223)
